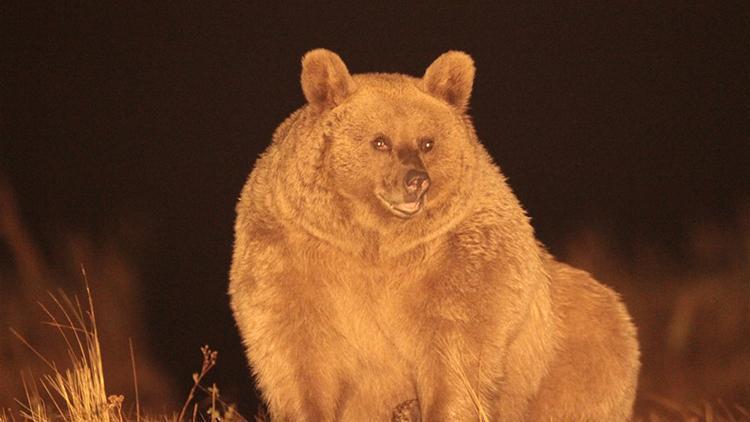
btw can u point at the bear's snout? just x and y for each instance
(416, 182)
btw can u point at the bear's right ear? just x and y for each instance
(450, 78)
(326, 81)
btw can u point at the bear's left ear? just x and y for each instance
(450, 78)
(326, 81)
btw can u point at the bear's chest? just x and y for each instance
(376, 339)
(369, 304)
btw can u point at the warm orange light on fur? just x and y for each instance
(349, 307)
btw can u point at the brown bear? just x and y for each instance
(380, 258)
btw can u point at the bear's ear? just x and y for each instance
(326, 81)
(450, 78)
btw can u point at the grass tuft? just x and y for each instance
(79, 393)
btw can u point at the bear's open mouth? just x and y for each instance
(404, 209)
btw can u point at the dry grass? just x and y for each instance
(28, 271)
(79, 393)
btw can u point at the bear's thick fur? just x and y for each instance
(380, 257)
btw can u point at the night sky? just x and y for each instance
(631, 116)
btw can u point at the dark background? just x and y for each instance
(632, 116)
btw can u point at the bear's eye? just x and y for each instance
(381, 143)
(426, 144)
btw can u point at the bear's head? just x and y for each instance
(396, 145)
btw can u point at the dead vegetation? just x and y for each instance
(44, 380)
(33, 272)
(78, 393)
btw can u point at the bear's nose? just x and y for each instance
(416, 181)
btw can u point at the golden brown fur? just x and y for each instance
(348, 307)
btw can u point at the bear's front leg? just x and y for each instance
(451, 384)
(467, 317)
(295, 390)
(288, 341)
